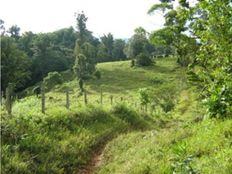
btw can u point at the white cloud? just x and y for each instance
(120, 17)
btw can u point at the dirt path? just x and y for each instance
(96, 160)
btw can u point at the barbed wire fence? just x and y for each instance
(70, 98)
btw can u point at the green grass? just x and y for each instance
(186, 145)
(118, 80)
(200, 148)
(62, 140)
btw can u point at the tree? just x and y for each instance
(14, 32)
(46, 58)
(186, 50)
(80, 66)
(2, 27)
(118, 47)
(25, 42)
(102, 55)
(208, 46)
(212, 71)
(176, 22)
(65, 37)
(137, 47)
(81, 27)
(108, 41)
(140, 31)
(162, 41)
(84, 51)
(14, 64)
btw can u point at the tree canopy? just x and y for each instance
(200, 34)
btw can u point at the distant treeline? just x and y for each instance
(28, 57)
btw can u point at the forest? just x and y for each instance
(157, 102)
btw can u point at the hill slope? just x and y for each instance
(187, 145)
(166, 135)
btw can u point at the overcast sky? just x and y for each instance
(120, 17)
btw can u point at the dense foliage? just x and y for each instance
(213, 67)
(139, 48)
(28, 58)
(14, 64)
(207, 47)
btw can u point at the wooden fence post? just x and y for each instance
(85, 98)
(146, 107)
(111, 100)
(9, 99)
(101, 98)
(67, 99)
(151, 109)
(16, 97)
(42, 99)
(1, 99)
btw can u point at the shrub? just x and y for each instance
(219, 101)
(97, 74)
(130, 116)
(144, 96)
(52, 79)
(132, 63)
(167, 103)
(143, 59)
(157, 81)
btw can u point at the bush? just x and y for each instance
(52, 79)
(219, 101)
(97, 74)
(130, 116)
(132, 63)
(144, 95)
(167, 103)
(157, 81)
(143, 60)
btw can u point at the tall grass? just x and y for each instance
(60, 142)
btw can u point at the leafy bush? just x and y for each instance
(52, 79)
(143, 60)
(167, 103)
(156, 80)
(132, 63)
(220, 100)
(144, 96)
(211, 71)
(97, 74)
(130, 116)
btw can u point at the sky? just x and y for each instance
(119, 17)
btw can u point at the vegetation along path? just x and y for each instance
(185, 107)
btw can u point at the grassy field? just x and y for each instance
(118, 80)
(62, 140)
(180, 140)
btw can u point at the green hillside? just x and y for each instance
(149, 140)
(189, 145)
(115, 98)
